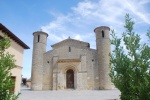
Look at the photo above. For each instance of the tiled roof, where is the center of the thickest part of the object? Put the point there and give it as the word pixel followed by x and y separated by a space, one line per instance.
pixel 12 36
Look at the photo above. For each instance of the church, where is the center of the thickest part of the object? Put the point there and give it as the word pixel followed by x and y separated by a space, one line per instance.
pixel 71 64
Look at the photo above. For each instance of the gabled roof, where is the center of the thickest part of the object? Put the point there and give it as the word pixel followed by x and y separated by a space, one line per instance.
pixel 69 40
pixel 12 36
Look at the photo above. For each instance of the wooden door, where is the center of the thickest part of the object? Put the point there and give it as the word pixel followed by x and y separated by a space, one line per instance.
pixel 70 78
pixel 14 80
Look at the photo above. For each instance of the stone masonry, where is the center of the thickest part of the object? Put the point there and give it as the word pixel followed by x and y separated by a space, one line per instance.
pixel 71 64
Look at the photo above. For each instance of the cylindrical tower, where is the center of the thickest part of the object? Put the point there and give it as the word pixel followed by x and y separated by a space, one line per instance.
pixel 103 50
pixel 39 48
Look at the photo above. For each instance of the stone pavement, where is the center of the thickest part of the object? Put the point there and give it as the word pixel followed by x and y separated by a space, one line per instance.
pixel 27 94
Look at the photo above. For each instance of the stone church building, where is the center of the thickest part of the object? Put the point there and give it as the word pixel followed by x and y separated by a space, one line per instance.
pixel 71 64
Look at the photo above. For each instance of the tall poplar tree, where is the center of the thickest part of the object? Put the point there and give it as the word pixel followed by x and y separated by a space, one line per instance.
pixel 130 64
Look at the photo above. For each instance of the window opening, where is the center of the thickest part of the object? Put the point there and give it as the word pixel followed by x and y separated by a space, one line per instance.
pixel 38 38
pixel 92 60
pixel 103 35
pixel 88 45
pixel 69 49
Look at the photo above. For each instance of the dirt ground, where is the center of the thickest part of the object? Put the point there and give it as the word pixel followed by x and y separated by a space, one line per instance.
pixel 27 94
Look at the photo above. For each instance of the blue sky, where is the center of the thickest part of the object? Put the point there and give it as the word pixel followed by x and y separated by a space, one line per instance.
pixel 74 18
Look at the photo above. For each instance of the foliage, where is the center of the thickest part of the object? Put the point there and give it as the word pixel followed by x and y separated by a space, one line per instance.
pixel 6 64
pixel 148 34
pixel 130 64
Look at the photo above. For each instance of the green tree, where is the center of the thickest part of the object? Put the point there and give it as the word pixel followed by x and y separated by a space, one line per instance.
pixel 130 64
pixel 6 64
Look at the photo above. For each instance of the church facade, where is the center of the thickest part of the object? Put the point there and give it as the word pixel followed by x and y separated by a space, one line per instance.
pixel 71 64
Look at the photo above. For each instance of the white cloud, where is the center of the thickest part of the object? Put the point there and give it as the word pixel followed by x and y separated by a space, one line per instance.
pixel 89 14
pixel 77 37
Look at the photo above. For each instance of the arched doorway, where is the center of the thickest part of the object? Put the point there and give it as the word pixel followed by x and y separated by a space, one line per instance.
pixel 70 78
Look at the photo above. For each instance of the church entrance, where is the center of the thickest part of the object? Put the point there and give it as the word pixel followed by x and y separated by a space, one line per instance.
pixel 70 78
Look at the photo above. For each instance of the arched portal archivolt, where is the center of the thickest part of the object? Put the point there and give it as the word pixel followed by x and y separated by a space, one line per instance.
pixel 67 68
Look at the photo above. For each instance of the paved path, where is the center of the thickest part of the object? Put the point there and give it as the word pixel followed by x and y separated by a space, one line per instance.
pixel 27 94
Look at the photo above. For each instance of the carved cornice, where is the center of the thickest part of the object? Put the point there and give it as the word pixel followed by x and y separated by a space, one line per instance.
pixel 68 60
pixel 18 67
pixel 72 42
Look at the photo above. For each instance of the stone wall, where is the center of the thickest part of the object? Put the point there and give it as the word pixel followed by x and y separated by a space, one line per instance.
pixel 39 48
pixel 16 50
pixel 90 67
pixel 103 50
pixel 86 74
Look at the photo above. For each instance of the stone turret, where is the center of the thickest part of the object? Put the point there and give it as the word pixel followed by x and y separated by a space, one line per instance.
pixel 39 48
pixel 103 50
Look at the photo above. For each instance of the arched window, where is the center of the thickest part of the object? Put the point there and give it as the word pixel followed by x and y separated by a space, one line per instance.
pixel 38 38
pixel 69 49
pixel 103 34
pixel 88 45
